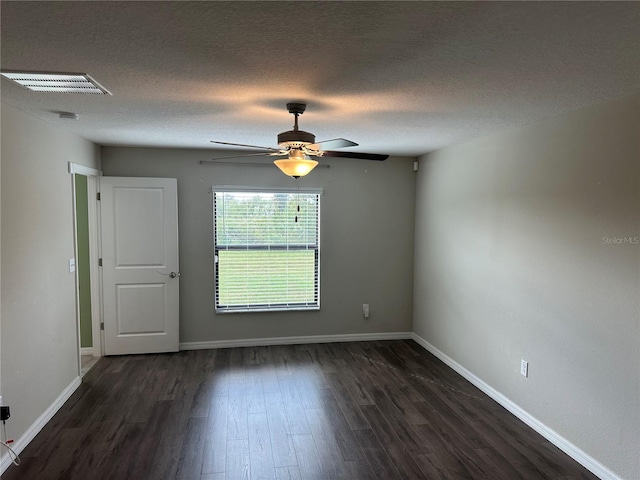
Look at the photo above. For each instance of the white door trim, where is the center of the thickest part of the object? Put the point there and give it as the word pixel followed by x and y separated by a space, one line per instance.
pixel 94 267
pixel 84 170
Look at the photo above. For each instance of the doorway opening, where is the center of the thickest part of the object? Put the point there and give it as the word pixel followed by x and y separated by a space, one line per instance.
pixel 88 300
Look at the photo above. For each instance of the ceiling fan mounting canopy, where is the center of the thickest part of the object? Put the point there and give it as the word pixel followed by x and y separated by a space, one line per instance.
pixel 296 108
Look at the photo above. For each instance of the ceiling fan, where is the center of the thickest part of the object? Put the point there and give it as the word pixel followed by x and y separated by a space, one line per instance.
pixel 298 145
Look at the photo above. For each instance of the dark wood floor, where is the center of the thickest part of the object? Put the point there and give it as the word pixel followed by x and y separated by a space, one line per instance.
pixel 368 410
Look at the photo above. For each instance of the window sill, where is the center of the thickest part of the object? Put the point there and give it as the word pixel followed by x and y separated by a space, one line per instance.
pixel 224 311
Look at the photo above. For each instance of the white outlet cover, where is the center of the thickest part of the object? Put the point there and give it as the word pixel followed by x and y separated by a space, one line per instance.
pixel 524 368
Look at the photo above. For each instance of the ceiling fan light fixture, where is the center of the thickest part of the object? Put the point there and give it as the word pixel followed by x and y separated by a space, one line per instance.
pixel 296 165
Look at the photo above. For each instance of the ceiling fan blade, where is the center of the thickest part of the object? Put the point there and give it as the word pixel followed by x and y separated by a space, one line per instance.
pixel 362 156
pixel 262 154
pixel 334 143
pixel 243 145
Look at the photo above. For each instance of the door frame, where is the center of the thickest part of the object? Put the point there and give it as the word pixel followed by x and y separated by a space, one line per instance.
pixel 92 175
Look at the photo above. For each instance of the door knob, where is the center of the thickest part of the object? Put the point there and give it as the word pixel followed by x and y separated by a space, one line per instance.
pixel 174 274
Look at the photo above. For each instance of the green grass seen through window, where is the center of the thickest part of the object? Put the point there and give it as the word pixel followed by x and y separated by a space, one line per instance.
pixel 266 277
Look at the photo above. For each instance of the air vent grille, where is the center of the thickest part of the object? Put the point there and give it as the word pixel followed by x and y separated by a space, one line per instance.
pixel 56 82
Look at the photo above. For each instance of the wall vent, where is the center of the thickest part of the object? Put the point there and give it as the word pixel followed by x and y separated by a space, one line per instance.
pixel 53 82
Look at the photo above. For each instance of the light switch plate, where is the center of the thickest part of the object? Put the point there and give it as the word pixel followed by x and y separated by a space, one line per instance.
pixel 72 265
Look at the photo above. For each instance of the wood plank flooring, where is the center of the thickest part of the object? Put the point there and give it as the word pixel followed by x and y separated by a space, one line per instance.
pixel 365 410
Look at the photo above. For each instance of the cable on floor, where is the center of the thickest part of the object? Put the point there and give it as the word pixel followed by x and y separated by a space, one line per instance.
pixel 15 458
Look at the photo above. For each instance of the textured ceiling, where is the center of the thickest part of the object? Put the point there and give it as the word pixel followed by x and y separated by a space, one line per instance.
pixel 402 78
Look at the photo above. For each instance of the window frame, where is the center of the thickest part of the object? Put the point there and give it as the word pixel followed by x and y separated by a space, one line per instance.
pixel 267 307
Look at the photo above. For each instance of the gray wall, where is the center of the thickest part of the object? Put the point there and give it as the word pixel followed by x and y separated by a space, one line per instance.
pixel 512 262
pixel 39 354
pixel 367 212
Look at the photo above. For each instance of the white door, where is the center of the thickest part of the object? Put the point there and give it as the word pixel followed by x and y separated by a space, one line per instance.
pixel 140 275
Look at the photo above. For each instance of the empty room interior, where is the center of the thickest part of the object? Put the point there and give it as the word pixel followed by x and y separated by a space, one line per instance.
pixel 320 240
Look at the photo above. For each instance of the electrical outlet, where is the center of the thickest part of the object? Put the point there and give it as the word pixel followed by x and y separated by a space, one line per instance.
pixel 524 368
pixel 365 310
pixel 1 400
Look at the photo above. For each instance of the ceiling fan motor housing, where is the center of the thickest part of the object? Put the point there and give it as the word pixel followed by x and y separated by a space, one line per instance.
pixel 295 138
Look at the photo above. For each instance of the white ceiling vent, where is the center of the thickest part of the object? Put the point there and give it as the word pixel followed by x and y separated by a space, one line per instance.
pixel 56 82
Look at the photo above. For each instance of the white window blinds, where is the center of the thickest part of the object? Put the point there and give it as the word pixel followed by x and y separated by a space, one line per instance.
pixel 267 250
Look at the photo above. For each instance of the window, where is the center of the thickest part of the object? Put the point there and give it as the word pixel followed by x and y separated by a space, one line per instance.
pixel 267 250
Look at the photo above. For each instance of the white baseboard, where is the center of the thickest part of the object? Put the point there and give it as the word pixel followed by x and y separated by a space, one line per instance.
pixel 42 420
pixel 86 350
pixel 554 437
pixel 261 342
